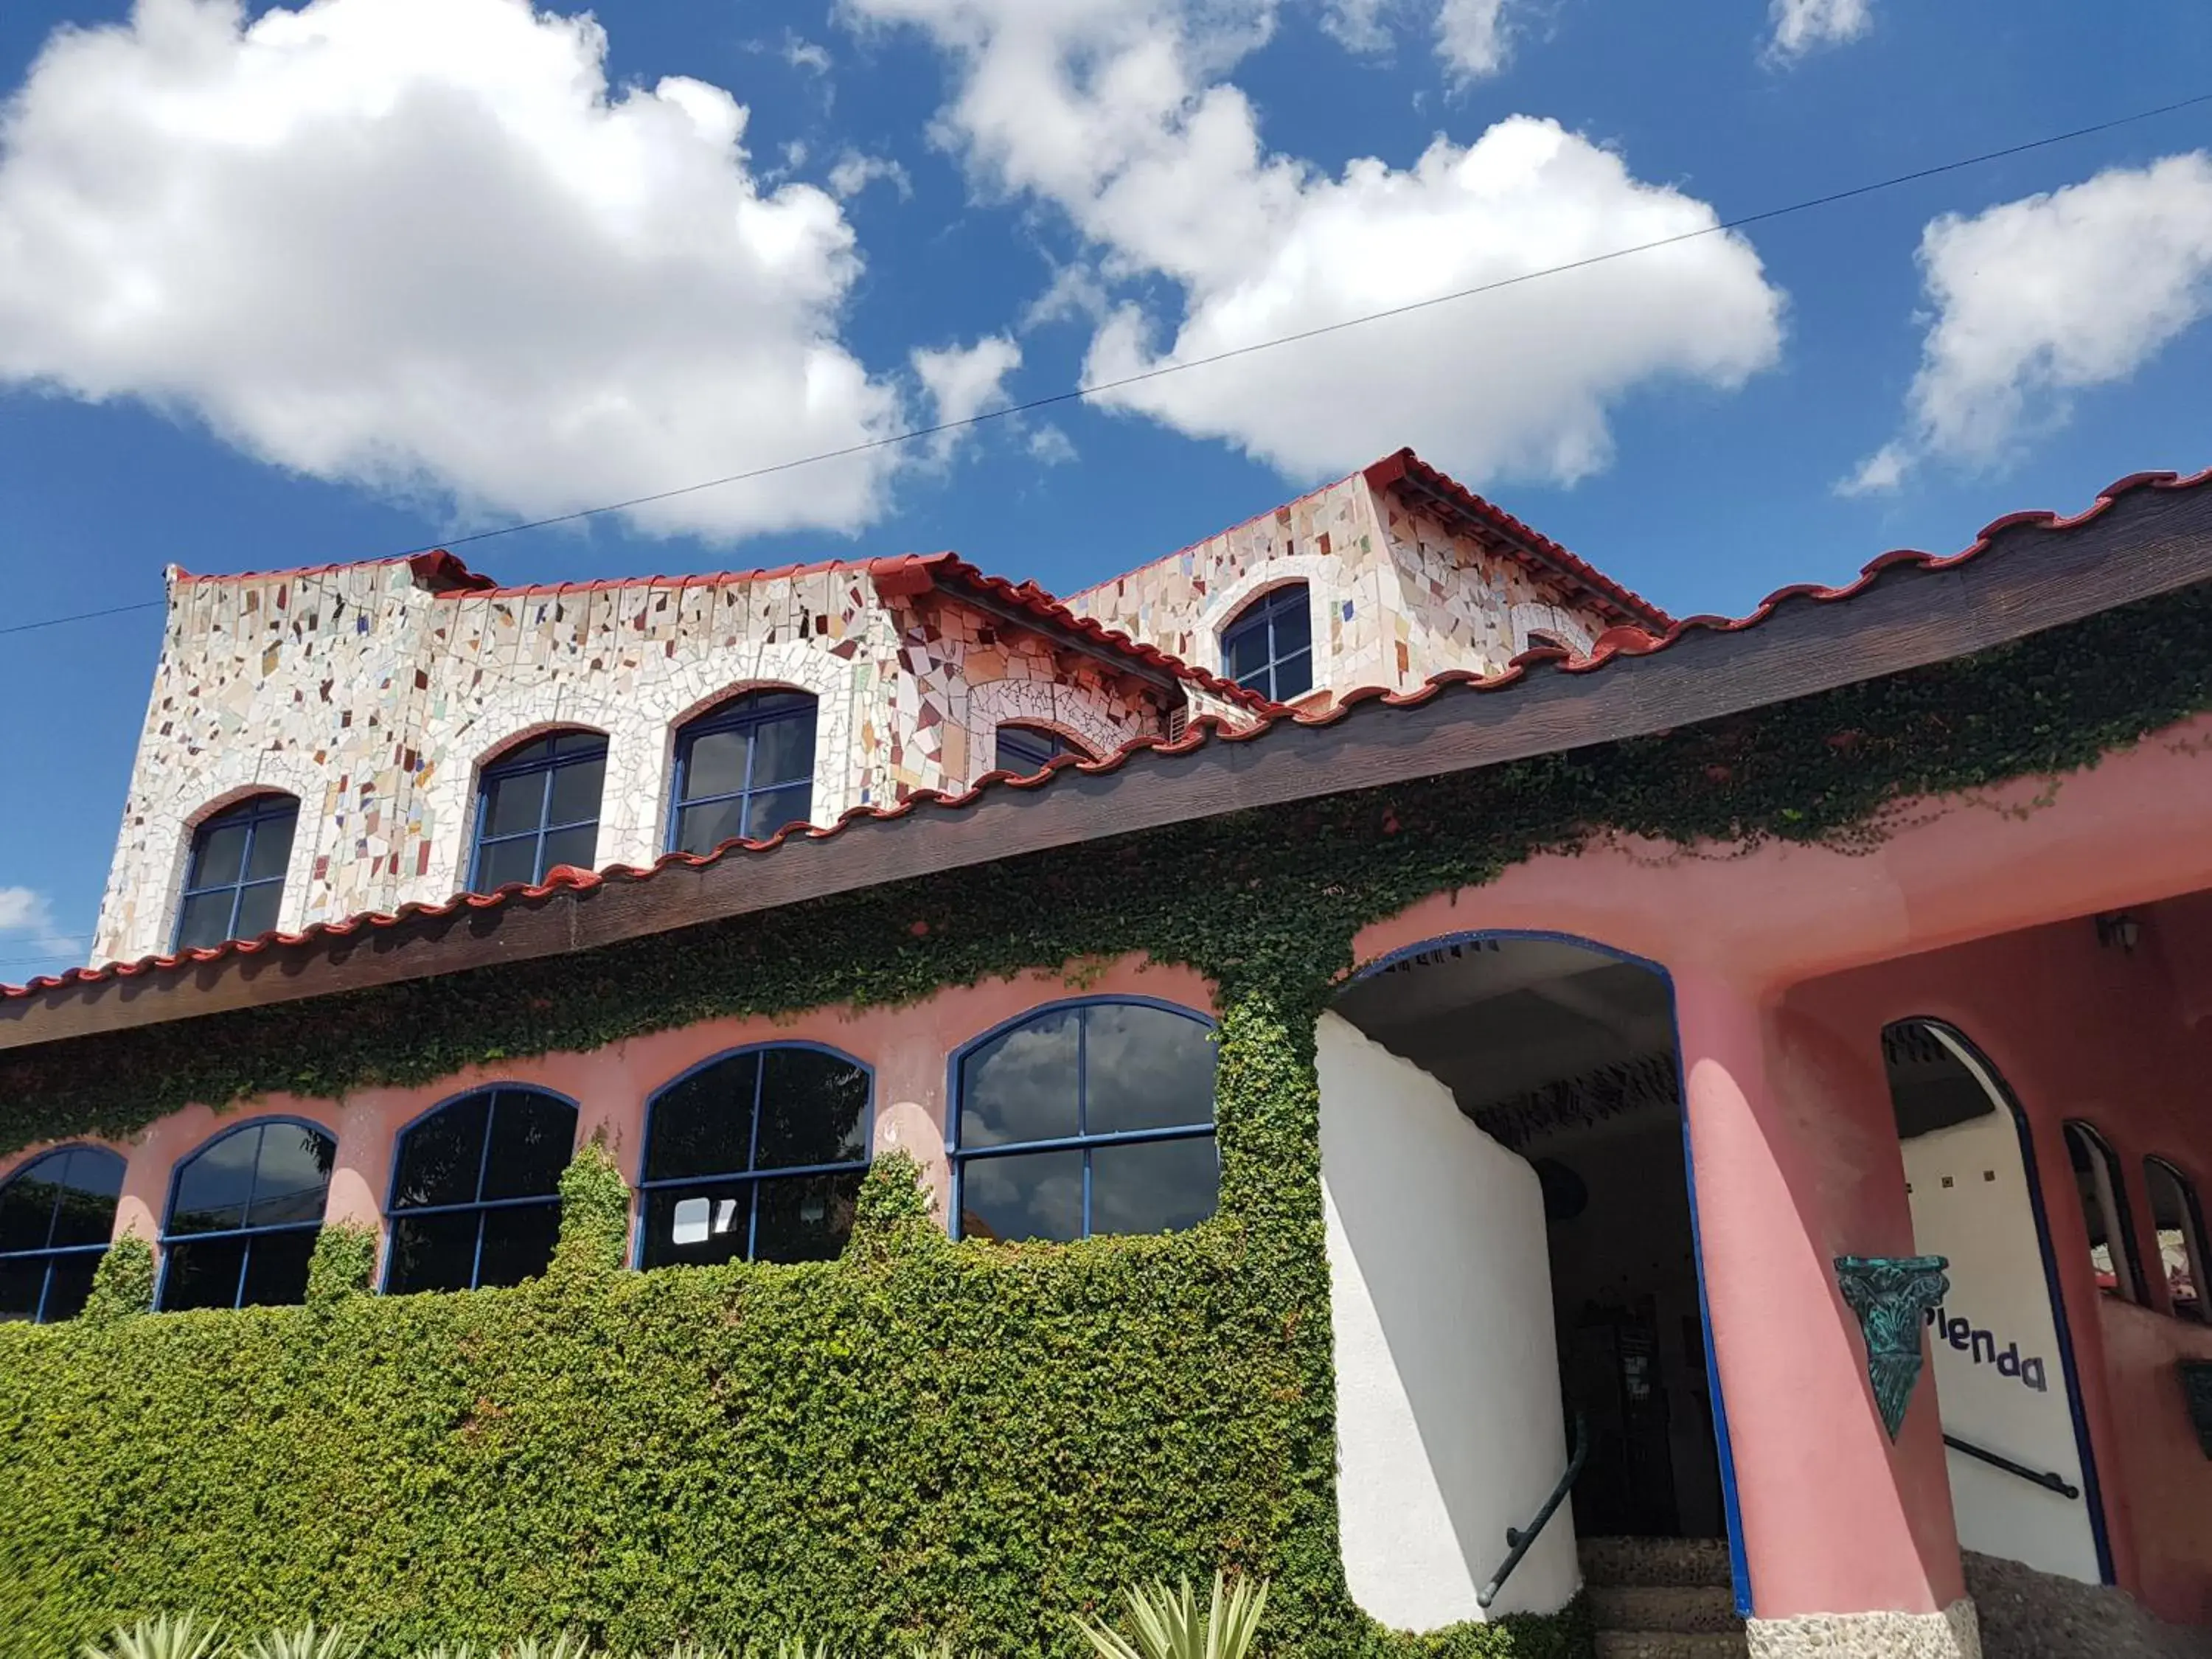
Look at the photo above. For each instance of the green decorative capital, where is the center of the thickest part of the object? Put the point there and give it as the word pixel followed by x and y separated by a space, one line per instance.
pixel 1891 1295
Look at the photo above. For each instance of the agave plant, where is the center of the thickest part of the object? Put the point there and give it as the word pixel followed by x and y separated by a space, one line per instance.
pixel 307 1641
pixel 560 1647
pixel 179 1637
pixel 460 1650
pixel 1169 1626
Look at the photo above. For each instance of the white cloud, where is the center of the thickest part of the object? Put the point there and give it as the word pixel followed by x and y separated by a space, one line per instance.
pixel 804 54
pixel 24 911
pixel 1471 35
pixel 1049 445
pixel 1116 112
pixel 1800 26
pixel 420 245
pixel 854 172
pixel 2034 299
pixel 963 382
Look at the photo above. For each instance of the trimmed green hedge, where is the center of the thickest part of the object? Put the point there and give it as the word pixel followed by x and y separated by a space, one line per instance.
pixel 966 1441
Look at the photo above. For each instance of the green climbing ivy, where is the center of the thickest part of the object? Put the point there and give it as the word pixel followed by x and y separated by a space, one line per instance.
pixel 924 1438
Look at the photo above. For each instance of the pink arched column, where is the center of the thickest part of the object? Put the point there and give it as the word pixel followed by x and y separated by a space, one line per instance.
pixel 1795 1159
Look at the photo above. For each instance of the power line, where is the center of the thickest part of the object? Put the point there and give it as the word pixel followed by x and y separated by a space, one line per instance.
pixel 1094 389
pixel 83 615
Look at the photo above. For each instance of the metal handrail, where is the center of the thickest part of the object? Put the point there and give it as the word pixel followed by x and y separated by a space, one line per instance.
pixel 1518 1540
pixel 2049 1480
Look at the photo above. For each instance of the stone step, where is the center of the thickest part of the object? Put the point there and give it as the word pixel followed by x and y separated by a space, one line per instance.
pixel 1687 1610
pixel 1657 1563
pixel 1671 1644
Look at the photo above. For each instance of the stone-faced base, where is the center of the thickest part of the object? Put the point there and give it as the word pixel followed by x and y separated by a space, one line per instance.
pixel 1950 1634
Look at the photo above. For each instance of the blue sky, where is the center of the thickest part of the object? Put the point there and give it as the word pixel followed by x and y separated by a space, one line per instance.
pixel 285 288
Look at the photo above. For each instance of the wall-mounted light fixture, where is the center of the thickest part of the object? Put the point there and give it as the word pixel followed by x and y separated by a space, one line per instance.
pixel 2118 928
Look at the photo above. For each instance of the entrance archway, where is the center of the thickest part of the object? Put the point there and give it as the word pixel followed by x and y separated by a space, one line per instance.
pixel 2023 1480
pixel 1512 1226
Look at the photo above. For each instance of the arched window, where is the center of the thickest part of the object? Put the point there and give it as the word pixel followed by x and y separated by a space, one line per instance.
pixel 2105 1211
pixel 1542 638
pixel 744 768
pixel 1085 1119
pixel 539 808
pixel 56 1214
pixel 757 1155
pixel 234 884
pixel 1268 647
pixel 244 1211
pixel 2178 1220
pixel 476 1191
pixel 1025 750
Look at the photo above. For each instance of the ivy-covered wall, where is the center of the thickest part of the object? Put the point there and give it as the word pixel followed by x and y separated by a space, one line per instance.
pixel 924 1438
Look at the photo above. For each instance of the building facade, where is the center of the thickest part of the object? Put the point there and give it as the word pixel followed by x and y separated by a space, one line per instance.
pixel 1718 1102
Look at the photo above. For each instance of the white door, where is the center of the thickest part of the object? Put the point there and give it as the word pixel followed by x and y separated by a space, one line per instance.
pixel 2000 1381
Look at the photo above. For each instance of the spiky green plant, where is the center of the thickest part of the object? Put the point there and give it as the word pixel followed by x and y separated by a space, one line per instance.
pixel 1169 1626
pixel 181 1636
pixel 560 1647
pixel 461 1650
pixel 307 1641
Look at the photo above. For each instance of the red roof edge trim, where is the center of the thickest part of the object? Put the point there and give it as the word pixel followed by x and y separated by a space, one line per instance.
pixel 1613 644
pixel 441 573
pixel 1531 544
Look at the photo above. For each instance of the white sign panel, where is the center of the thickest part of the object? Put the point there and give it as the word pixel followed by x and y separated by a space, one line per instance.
pixel 1999 1379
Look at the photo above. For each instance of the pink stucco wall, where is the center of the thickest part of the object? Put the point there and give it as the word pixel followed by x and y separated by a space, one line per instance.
pixel 907 1049
pixel 2078 1029
pixel 1786 963
pixel 1796 1157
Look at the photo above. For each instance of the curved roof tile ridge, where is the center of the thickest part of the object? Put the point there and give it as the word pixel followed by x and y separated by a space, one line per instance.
pixel 1203 729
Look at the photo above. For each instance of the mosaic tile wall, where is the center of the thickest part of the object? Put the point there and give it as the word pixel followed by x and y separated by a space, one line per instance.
pixel 1397 596
pixel 375 701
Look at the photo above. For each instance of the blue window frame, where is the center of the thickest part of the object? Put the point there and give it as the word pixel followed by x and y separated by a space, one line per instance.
pixel 745 769
pixel 1027 750
pixel 1268 646
pixel 2103 1188
pixel 244 1211
pixel 235 884
pixel 757 1156
pixel 538 807
pixel 1084 1119
pixel 476 1191
pixel 56 1214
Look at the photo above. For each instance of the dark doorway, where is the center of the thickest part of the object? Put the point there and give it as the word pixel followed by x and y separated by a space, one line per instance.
pixel 1566 1055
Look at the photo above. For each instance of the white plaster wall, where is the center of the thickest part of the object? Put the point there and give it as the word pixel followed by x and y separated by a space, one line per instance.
pixel 1448 1423
pixel 1983 1222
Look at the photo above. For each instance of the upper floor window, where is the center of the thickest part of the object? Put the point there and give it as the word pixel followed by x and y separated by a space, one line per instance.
pixel 758 1155
pixel 244 1211
pixel 539 808
pixel 234 884
pixel 2105 1211
pixel 476 1192
pixel 1268 647
pixel 2178 1221
pixel 56 1214
pixel 744 768
pixel 1027 750
pixel 1086 1119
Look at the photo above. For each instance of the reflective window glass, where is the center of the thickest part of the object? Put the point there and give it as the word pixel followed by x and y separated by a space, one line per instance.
pixel 2178 1220
pixel 57 1214
pixel 476 1193
pixel 2105 1213
pixel 1025 750
pixel 1268 646
pixel 1087 1119
pixel 244 1212
pixel 234 878
pixel 743 769
pixel 757 1156
pixel 538 808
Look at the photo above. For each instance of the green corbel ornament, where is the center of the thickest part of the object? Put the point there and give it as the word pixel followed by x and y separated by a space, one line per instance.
pixel 1891 1295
